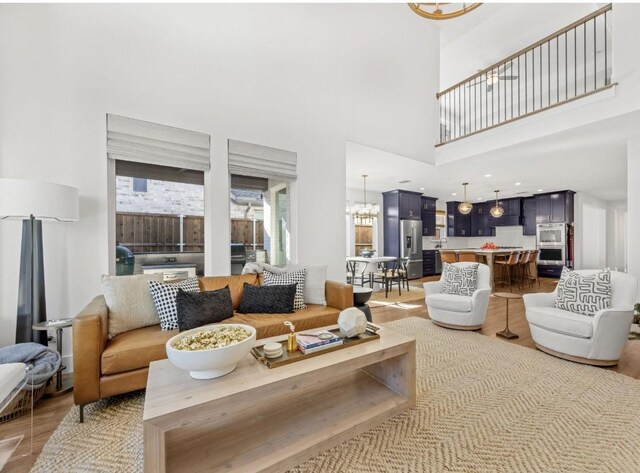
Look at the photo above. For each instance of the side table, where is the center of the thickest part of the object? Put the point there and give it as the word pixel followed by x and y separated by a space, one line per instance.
pixel 66 385
pixel 361 296
pixel 506 333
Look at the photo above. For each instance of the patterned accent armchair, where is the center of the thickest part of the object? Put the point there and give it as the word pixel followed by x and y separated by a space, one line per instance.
pixel 597 340
pixel 459 312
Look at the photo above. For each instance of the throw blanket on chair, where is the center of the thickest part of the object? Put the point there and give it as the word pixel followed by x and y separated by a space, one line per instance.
pixel 42 362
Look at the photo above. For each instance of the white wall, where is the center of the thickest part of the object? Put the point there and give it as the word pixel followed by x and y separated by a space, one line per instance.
pixel 303 78
pixel 633 209
pixel 617 235
pixel 589 236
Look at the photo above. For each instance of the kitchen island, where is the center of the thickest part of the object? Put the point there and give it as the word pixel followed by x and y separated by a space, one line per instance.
pixel 488 256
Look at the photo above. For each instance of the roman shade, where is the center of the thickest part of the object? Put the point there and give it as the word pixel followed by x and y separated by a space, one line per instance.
pixel 247 159
pixel 138 141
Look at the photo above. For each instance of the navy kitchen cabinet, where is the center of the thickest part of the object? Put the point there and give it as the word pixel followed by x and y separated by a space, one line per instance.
pixel 428 215
pixel 529 216
pixel 409 205
pixel 554 207
pixel 457 223
pixel 512 213
pixel 481 220
pixel 428 262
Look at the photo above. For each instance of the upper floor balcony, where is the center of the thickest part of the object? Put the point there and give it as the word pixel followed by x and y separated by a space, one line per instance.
pixel 570 64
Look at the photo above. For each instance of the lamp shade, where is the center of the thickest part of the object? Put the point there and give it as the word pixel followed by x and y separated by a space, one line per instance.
pixel 21 198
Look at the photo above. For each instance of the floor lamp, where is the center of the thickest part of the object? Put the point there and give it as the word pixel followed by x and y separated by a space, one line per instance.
pixel 33 202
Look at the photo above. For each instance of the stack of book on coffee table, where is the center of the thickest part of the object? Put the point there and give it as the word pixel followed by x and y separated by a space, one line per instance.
pixel 317 341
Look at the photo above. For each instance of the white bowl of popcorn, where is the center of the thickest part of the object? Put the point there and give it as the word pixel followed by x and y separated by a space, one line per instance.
pixel 211 351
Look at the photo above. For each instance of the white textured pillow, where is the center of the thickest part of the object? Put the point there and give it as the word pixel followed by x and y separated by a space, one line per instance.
pixel 130 303
pixel 584 294
pixel 293 277
pixel 460 280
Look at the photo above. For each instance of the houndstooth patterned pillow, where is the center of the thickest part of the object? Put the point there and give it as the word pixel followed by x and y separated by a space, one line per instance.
pixel 293 277
pixel 164 298
pixel 460 280
pixel 584 294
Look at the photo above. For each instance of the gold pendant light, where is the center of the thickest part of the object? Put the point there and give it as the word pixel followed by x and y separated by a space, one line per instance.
pixel 465 206
pixel 496 211
pixel 434 11
pixel 364 214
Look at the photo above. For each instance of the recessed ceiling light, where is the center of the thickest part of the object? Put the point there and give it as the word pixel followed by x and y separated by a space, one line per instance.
pixel 540 190
pixel 422 188
pixel 487 175
pixel 479 198
pixel 518 183
pixel 453 193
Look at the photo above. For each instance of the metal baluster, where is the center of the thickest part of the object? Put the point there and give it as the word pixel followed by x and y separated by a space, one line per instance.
pixel 575 61
pixel 526 86
pixel 584 29
pixel 533 80
pixel 481 103
pixel 498 76
pixel 541 91
pixel 606 73
pixel 518 85
pixel 566 70
pixel 511 69
pixel 557 69
pixel 595 58
pixel 549 72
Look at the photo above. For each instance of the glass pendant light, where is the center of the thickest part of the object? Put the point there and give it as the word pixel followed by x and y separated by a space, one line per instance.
pixel 465 206
pixel 496 211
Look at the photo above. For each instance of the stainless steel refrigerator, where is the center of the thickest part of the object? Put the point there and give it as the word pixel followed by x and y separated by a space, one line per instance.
pixel 411 246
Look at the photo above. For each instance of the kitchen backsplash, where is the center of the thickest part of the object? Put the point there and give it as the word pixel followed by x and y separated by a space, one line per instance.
pixel 505 236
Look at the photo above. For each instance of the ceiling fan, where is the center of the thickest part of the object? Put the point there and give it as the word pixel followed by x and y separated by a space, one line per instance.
pixel 493 76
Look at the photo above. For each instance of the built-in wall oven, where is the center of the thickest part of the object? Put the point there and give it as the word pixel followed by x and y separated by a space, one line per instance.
pixel 552 243
pixel 552 255
pixel 552 234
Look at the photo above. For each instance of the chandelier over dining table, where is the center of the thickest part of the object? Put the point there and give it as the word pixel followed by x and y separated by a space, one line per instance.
pixel 364 213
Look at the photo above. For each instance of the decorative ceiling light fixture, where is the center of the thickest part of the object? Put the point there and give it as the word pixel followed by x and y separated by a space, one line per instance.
pixel 442 11
pixel 363 214
pixel 465 206
pixel 496 211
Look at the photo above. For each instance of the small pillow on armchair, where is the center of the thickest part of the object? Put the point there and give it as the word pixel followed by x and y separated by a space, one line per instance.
pixel 459 280
pixel 584 294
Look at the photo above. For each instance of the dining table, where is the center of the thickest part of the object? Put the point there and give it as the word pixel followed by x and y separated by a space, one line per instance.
pixel 371 262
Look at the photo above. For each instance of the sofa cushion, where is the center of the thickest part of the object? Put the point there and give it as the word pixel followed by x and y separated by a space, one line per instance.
pixel 267 299
pixel 270 325
pixel 196 309
pixel 164 297
pixel 561 321
pixel 130 303
pixel 235 283
pixel 294 277
pixel 135 349
pixel 450 302
pixel 584 294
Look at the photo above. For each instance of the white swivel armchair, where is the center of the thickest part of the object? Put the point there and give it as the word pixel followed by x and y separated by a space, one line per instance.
pixel 459 312
pixel 597 340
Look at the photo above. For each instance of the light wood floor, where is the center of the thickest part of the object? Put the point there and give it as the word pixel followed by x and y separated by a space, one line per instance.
pixel 49 412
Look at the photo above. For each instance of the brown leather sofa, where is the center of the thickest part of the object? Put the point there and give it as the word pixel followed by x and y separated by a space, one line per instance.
pixel 104 368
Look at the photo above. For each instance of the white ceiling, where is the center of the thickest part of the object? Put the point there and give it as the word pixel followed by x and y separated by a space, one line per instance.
pixel 591 159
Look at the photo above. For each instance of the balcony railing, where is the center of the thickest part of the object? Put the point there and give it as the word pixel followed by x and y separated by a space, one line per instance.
pixel 572 63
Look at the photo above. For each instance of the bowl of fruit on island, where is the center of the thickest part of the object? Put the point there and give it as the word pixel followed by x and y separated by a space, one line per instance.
pixel 211 351
pixel 489 246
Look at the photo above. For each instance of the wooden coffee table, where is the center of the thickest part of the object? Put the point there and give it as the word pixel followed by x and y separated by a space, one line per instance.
pixel 259 419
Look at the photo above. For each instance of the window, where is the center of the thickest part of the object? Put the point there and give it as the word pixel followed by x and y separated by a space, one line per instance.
pixel 261 181
pixel 260 221
pixel 164 225
pixel 139 184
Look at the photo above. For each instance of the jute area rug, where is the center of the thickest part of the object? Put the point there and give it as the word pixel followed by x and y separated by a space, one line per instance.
pixel 484 405
pixel 414 295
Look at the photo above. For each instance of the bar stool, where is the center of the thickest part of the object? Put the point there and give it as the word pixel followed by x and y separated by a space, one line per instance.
pixel 467 257
pixel 448 257
pixel 523 266
pixel 508 265
pixel 533 262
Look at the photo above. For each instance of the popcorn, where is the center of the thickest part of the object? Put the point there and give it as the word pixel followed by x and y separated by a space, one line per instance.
pixel 212 338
